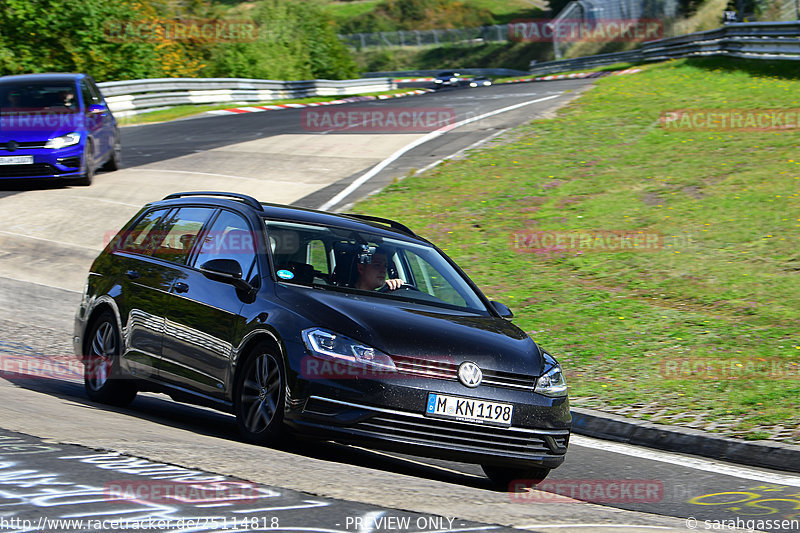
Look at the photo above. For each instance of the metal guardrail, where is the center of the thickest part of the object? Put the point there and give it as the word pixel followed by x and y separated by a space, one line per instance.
pixel 752 40
pixel 562 65
pixel 130 97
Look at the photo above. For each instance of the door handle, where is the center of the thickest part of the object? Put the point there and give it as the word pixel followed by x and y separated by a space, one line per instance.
pixel 181 287
pixel 132 274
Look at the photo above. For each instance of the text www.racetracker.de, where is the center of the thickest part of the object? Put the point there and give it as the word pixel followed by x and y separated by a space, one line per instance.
pixel 212 523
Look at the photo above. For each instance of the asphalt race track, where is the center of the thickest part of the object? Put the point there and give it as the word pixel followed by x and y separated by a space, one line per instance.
pixel 62 457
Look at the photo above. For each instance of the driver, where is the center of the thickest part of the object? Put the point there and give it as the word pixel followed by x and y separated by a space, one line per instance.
pixel 372 275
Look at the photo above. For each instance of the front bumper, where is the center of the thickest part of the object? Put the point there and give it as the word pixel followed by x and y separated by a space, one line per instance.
pixel 418 434
pixel 389 413
pixel 61 163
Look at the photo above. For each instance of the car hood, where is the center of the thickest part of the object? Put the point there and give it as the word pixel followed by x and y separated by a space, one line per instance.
pixel 413 330
pixel 31 127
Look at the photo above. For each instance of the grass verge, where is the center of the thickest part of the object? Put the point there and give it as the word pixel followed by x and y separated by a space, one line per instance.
pixel 701 329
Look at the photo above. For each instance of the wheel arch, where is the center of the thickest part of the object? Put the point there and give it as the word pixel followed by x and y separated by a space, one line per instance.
pixel 246 349
pixel 103 304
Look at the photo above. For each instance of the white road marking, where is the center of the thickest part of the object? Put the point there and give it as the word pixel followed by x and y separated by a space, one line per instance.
pixel 369 521
pixel 706 465
pixel 425 138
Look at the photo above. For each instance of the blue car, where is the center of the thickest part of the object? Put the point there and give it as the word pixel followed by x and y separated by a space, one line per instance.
pixel 55 126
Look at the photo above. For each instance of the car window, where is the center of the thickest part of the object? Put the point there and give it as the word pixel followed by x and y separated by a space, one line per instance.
pixel 88 97
pixel 318 256
pixel 97 96
pixel 141 238
pixel 179 233
pixel 229 237
pixel 428 279
pixel 38 97
pixel 330 258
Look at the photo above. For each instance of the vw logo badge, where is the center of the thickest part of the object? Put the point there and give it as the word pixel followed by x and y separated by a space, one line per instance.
pixel 12 146
pixel 469 374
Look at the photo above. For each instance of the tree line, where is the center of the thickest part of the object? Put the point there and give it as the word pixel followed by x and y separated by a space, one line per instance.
pixel 133 39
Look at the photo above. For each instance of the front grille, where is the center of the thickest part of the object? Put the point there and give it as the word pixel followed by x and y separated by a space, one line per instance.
pixel 426 367
pixel 449 371
pixel 23 171
pixel 468 437
pixel 24 144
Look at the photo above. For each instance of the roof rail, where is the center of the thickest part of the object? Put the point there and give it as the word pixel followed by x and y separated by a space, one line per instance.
pixel 249 200
pixel 392 223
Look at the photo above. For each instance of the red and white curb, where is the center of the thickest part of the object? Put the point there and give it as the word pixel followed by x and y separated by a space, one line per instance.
pixel 412 80
pixel 275 107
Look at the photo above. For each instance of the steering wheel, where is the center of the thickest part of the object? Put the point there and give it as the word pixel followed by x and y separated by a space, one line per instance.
pixel 406 286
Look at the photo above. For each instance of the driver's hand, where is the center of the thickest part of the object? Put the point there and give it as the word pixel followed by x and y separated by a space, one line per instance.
pixel 394 284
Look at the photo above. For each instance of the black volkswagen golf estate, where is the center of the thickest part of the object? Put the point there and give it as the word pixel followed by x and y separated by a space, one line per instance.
pixel 276 314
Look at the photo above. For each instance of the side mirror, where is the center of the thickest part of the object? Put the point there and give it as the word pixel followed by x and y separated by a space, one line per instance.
pixel 502 310
pixel 226 270
pixel 97 109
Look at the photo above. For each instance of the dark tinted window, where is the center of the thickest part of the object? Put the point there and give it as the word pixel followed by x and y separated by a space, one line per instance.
pixel 143 237
pixel 229 237
pixel 180 232
pixel 88 97
pixel 97 96
pixel 40 97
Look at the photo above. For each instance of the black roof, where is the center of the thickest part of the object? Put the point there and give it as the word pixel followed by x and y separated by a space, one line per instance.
pixel 47 77
pixel 386 227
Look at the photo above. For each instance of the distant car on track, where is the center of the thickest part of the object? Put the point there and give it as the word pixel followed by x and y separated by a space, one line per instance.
pixel 261 310
pixel 55 126
pixel 448 79
pixel 480 81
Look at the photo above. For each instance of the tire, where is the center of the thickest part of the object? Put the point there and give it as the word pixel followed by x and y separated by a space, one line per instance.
pixel 102 378
pixel 503 476
pixel 115 161
pixel 88 159
pixel 259 396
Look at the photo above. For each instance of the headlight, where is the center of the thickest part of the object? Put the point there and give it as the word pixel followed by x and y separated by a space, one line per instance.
pixel 329 345
pixel 552 382
pixel 69 139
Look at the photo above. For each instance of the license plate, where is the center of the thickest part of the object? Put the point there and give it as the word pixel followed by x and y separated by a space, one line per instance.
pixel 469 409
pixel 16 160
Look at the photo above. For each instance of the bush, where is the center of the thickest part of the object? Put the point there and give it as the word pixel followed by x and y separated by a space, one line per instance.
pixel 296 41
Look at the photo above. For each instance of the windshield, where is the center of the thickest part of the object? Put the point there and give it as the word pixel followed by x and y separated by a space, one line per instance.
pixel 340 259
pixel 38 97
